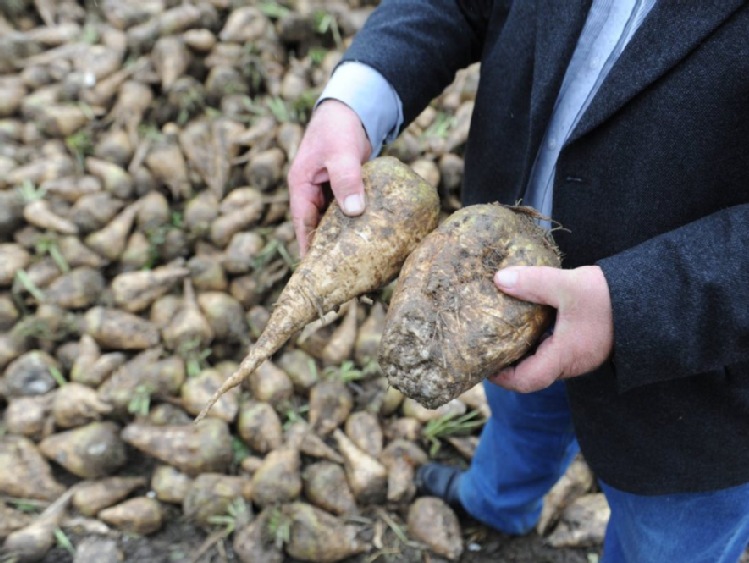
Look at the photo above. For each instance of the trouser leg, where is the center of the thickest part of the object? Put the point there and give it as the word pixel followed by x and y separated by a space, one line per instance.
pixel 708 527
pixel 527 444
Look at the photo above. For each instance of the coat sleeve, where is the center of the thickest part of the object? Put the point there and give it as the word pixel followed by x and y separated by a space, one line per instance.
pixel 419 45
pixel 681 300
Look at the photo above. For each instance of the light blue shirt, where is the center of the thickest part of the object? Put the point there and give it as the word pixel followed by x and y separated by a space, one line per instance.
pixel 608 28
pixel 371 97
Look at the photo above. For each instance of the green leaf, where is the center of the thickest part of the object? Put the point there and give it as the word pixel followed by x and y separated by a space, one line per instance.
pixel 279 110
pixel 26 282
pixel 25 505
pixel 63 541
pixel 57 376
pixel 140 403
pixel 30 192
pixel 239 449
pixel 317 55
pixel 450 425
pixel 273 10
pixel 58 258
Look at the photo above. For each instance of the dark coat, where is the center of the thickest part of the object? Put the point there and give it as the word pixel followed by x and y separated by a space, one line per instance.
pixel 653 186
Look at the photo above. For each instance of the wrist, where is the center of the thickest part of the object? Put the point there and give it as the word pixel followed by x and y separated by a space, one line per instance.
pixel 344 118
pixel 371 97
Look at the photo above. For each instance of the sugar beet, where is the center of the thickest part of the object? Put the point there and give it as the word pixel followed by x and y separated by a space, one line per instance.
pixel 448 325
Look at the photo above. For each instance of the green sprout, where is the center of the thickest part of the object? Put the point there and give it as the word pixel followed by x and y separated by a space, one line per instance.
pixel 196 359
pixel 312 365
pixel 346 372
pixel 325 22
pixel 296 111
pixel 149 131
pixel 156 239
pixel 47 245
pixel 189 103
pixel 212 113
pixel 386 293
pixel 450 425
pixel 239 449
pixel 279 109
pixel 89 35
pixel 440 127
pixel 278 527
pixel 272 249
pixel 273 10
pixel 371 368
pixel 253 67
pixel 398 529
pixel 317 55
pixel 177 554
pixel 234 86
pixel 236 515
pixel 250 106
pixel 30 506
pixel 63 541
pixel 30 192
pixel 292 414
pixel 177 219
pixel 33 327
pixel 80 144
pixel 45 330
pixel 22 280
pixel 302 106
pixel 58 376
pixel 87 110
pixel 140 402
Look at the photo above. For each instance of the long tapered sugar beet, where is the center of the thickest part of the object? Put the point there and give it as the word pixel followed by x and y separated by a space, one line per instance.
pixel 348 256
pixel 448 326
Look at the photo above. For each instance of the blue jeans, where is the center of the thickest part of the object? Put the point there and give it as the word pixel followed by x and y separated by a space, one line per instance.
pixel 528 443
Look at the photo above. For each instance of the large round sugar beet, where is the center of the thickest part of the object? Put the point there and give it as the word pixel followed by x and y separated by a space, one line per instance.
pixel 448 326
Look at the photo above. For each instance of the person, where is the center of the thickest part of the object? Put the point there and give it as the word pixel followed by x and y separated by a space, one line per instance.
pixel 626 121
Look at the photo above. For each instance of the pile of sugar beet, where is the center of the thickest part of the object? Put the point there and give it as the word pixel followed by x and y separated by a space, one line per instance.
pixel 144 239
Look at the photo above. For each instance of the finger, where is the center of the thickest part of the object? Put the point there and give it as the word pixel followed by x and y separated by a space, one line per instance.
pixel 537 284
pixel 346 182
pixel 535 372
pixel 321 177
pixel 305 204
pixel 303 228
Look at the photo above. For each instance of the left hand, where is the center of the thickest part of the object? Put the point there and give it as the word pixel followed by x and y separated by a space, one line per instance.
pixel 583 336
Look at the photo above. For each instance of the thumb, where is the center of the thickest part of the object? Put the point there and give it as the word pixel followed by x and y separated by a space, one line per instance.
pixel 537 284
pixel 346 182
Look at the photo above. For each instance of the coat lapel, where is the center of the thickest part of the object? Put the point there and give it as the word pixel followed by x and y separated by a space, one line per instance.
pixel 671 30
pixel 558 26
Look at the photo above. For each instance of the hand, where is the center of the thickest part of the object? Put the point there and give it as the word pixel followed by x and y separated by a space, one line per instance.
pixel 583 336
pixel 333 149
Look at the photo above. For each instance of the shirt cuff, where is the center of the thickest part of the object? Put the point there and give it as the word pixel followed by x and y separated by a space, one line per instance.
pixel 371 97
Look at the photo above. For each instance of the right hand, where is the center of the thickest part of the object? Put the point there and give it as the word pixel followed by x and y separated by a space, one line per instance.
pixel 333 149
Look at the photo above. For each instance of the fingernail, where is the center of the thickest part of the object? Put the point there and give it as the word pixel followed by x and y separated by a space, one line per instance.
pixel 353 204
pixel 506 278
